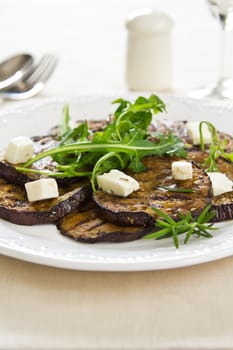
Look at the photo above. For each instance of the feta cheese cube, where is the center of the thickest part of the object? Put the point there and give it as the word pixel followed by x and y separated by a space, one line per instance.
pixel 220 183
pixel 118 183
pixel 194 133
pixel 19 150
pixel 182 170
pixel 41 189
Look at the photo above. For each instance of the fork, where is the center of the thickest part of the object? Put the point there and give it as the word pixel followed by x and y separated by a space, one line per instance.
pixel 33 83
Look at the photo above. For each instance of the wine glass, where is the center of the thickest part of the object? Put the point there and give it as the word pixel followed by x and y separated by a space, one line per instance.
pixel 223 11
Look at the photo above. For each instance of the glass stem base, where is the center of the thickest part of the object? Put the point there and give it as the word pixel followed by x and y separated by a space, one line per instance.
pixel 223 89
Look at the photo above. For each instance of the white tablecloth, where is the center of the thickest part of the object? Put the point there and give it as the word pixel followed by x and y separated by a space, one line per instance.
pixel 48 308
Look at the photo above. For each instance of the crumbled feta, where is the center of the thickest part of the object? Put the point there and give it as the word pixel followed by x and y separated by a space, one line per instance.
pixel 194 133
pixel 182 170
pixel 118 183
pixel 41 189
pixel 220 183
pixel 19 150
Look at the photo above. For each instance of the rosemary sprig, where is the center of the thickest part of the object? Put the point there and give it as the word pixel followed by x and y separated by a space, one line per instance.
pixel 176 190
pixel 216 148
pixel 187 224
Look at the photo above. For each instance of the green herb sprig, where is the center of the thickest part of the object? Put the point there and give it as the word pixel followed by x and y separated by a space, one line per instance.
pixel 176 189
pixel 187 224
pixel 122 144
pixel 216 148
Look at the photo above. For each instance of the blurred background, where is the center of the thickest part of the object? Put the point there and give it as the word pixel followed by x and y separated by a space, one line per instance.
pixel 90 34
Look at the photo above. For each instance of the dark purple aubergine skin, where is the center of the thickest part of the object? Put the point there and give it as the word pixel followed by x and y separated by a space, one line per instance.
pixel 223 211
pixel 9 172
pixel 14 206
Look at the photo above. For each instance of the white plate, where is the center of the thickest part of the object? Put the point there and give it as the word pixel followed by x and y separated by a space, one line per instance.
pixel 45 245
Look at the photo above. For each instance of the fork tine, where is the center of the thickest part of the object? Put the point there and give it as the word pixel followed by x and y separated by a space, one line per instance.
pixel 49 70
pixel 35 82
pixel 41 67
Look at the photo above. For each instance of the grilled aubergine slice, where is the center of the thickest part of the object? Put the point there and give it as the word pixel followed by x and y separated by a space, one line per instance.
pixel 179 128
pixel 41 144
pixel 85 225
pixel 15 207
pixel 222 204
pixel 136 209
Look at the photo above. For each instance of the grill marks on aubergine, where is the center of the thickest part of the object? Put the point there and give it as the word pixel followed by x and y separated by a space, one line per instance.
pixel 86 225
pixel 15 207
pixel 136 209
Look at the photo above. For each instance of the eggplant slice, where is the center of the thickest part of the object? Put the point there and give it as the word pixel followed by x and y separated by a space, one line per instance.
pixel 41 143
pixel 136 209
pixel 179 128
pixel 85 225
pixel 14 206
pixel 222 204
